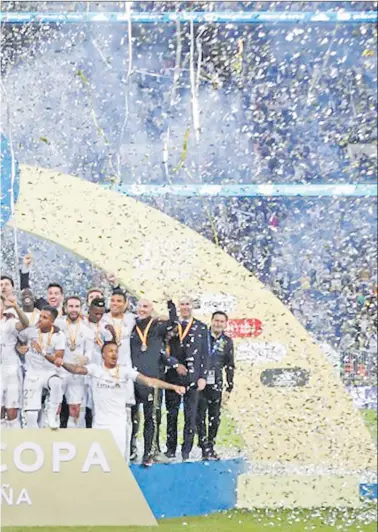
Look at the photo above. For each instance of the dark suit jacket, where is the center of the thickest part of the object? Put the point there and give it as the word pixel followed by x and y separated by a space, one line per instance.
pixel 193 354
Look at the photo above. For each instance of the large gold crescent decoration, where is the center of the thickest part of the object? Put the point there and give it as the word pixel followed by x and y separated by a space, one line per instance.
pixel 308 424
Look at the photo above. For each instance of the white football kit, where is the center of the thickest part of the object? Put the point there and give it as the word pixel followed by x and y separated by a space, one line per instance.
pixel 123 328
pixel 38 371
pixel 109 389
pixel 10 374
pixel 101 335
pixel 79 340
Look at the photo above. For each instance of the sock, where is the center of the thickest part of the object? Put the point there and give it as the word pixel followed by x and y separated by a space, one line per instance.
pixel 13 424
pixel 73 423
pixel 56 394
pixel 32 419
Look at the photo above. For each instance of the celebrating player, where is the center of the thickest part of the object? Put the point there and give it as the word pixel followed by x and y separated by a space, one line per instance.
pixel 10 364
pixel 78 350
pixel 44 339
pixel 109 383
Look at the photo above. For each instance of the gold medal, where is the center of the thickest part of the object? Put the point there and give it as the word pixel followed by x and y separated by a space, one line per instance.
pixel 40 339
pixel 183 334
pixel 143 335
pixel 72 334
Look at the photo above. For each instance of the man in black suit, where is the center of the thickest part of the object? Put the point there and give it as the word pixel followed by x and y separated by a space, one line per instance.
pixel 148 356
pixel 221 357
pixel 189 347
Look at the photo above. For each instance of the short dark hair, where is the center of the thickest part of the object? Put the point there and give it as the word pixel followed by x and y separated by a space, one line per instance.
pixel 105 344
pixel 220 313
pixel 94 289
pixel 119 292
pixel 56 285
pixel 73 297
pixel 8 278
pixel 98 302
pixel 54 313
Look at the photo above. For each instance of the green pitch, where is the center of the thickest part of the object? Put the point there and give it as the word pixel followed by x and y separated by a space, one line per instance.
pixel 363 520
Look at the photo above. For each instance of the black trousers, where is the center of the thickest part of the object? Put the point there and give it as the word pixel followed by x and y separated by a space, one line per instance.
pixel 64 414
pixel 209 410
pixel 172 402
pixel 152 419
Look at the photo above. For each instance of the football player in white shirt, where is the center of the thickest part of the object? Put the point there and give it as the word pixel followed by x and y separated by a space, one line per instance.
pixel 44 339
pixel 78 350
pixel 109 386
pixel 120 323
pixel 96 311
pixel 6 286
pixel 10 374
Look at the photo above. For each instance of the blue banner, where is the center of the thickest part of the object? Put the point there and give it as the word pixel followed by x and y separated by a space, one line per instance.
pixel 203 17
pixel 267 190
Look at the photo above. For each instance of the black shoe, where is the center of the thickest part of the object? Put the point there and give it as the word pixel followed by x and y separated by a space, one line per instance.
pixel 147 461
pixel 185 457
pixel 212 455
pixel 170 454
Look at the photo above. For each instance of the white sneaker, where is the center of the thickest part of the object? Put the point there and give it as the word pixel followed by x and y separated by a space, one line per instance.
pixel 53 420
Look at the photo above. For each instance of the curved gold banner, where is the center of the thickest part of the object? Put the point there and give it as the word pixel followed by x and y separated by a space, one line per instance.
pixel 288 403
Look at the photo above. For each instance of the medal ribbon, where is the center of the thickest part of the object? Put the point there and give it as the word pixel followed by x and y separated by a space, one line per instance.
pixel 99 342
pixel 40 339
pixel 118 330
pixel 73 336
pixel 143 335
pixel 32 319
pixel 183 335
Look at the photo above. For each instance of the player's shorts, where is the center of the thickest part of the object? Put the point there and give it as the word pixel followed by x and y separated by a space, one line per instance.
pixel 121 433
pixel 34 384
pixel 74 389
pixel 10 386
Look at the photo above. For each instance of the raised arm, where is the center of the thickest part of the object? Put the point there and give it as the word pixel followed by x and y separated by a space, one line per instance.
pixel 24 322
pixel 167 325
pixel 25 272
pixel 157 383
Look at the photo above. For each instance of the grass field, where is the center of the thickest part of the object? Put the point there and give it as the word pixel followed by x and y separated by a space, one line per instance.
pixel 256 521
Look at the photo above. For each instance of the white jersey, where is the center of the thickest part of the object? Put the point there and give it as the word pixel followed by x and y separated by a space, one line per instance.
pixel 50 343
pixel 79 339
pixel 109 388
pixel 123 328
pixel 101 335
pixel 33 317
pixel 8 339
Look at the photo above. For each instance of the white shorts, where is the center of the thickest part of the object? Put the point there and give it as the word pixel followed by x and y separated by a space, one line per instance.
pixel 34 384
pixel 74 389
pixel 121 433
pixel 10 386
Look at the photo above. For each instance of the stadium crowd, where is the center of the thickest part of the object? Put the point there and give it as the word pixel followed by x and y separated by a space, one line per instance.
pixel 66 364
